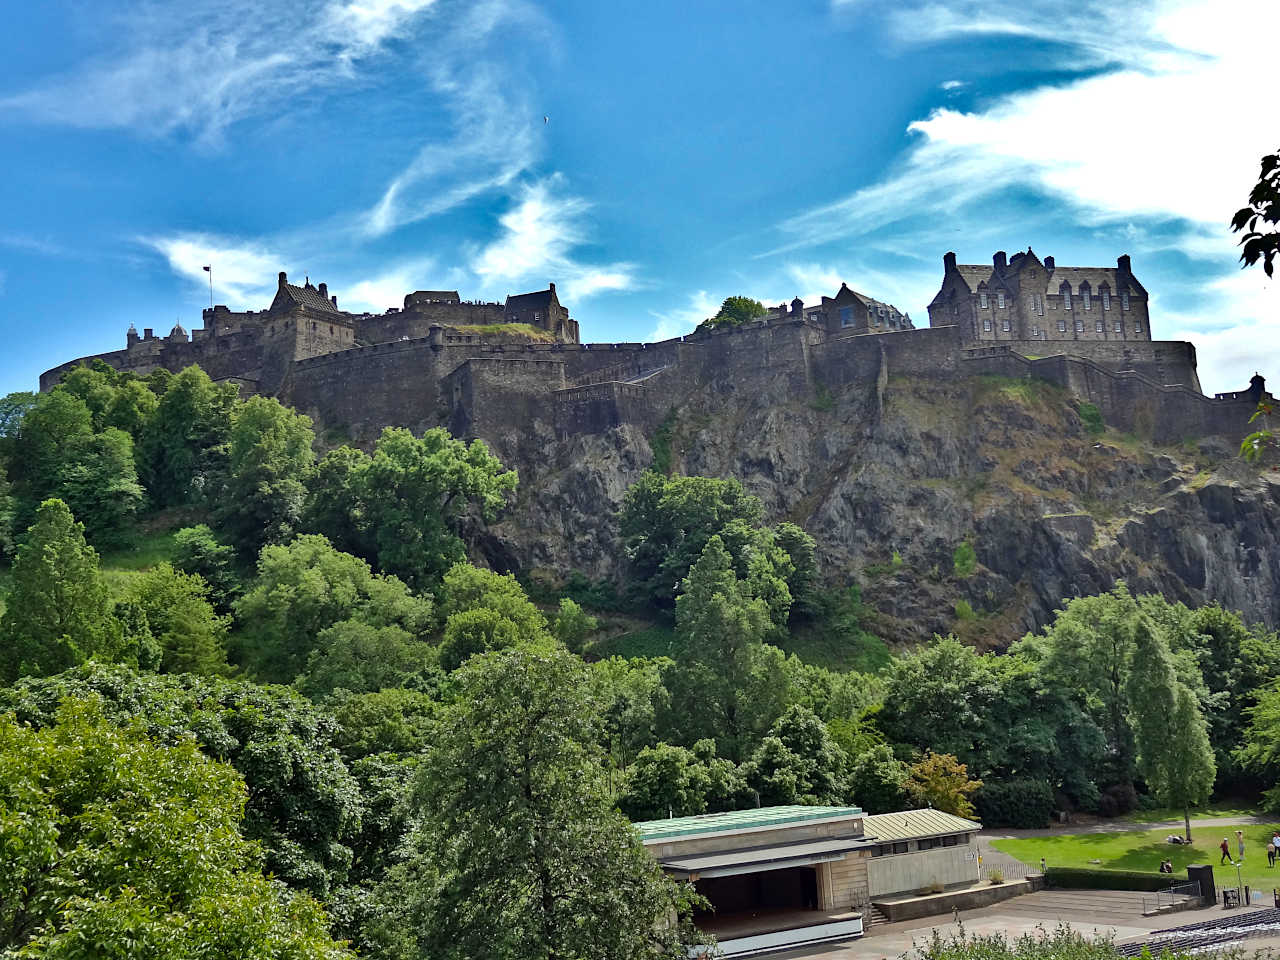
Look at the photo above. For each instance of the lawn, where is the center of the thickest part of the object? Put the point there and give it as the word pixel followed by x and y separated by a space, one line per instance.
pixel 1227 808
pixel 1142 851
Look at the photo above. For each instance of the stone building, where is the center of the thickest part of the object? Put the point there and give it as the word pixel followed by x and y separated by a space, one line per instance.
pixel 847 313
pixel 1024 298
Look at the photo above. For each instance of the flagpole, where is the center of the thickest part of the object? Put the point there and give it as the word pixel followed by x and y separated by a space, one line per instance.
pixel 209 270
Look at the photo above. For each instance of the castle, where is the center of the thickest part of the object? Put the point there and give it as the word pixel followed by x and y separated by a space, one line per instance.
pixel 500 370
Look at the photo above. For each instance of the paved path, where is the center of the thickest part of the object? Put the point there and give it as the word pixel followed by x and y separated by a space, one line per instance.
pixel 1111 913
pixel 1125 826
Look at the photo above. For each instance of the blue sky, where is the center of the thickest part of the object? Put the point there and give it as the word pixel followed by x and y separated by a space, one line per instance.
pixel 692 151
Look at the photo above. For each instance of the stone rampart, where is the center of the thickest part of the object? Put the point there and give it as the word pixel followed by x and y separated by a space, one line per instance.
pixel 597 407
pixel 1164 361
pixel 418 321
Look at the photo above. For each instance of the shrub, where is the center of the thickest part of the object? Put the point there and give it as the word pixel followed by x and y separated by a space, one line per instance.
pixel 997 877
pixel 1117 800
pixel 1091 417
pixel 1023 803
pixel 1080 878
pixel 964 560
pixel 660 444
pixel 964 611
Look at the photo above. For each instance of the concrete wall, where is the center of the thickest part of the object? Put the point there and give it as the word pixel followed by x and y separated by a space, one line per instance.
pixel 918 869
pixel 843 883
pixel 784 833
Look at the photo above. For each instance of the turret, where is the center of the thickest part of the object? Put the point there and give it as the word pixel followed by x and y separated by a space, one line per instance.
pixel 132 336
pixel 1257 388
pixel 797 307
pixel 999 261
pixel 178 334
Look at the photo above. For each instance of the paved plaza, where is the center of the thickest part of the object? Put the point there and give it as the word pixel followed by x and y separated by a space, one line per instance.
pixel 1102 912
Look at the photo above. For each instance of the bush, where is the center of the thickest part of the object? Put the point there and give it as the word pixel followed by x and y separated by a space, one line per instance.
pixel 1117 800
pixel 964 610
pixel 1025 804
pixel 997 877
pixel 1079 878
pixel 964 560
pixel 1091 417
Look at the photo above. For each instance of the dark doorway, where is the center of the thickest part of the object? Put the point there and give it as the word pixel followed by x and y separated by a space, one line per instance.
pixel 795 888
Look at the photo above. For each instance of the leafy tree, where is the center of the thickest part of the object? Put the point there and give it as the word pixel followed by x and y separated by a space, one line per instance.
pixel 58 612
pixel 1174 755
pixel 803 582
pixel 1264 207
pixel 798 762
pixel 131 408
pixel 118 846
pixel 941 781
pixel 52 427
pixel 573 625
pixel 184 447
pixel 335 500
pixel 95 385
pixel 940 698
pixel 734 312
pixel 415 491
pixel 13 410
pixel 520 852
pixel 175 611
pixel 386 721
pixel 720 629
pixel 307 586
pixel 878 781
pixel 99 482
pixel 198 551
pixel 361 658
pixel 484 610
pixel 633 697
pixel 304 807
pixel 270 456
pixel 667 781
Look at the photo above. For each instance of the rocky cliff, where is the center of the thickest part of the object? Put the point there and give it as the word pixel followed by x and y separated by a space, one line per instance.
pixel 890 478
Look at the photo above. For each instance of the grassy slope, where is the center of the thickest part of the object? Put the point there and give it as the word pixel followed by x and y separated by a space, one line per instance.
pixel 525 330
pixel 1143 851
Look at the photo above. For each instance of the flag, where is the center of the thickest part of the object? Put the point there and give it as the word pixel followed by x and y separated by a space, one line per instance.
pixel 208 268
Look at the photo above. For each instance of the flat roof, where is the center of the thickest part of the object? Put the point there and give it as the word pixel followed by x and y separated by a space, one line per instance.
pixel 732 821
pixel 761 858
pixel 916 825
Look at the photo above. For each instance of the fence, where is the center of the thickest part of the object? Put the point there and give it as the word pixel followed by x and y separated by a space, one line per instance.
pixel 1009 871
pixel 1180 894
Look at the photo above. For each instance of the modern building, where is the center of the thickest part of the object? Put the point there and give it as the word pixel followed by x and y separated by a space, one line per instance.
pixel 784 877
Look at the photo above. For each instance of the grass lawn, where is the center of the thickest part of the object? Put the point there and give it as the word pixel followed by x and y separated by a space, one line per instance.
pixel 120 567
pixel 1226 808
pixel 1142 851
pixel 648 642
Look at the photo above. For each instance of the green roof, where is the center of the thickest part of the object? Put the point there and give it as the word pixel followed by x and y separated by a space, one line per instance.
pixel 738 820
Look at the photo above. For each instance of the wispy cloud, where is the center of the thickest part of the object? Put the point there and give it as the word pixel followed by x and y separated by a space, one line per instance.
pixel 243 273
pixel 539 239
pixel 200 66
pixel 1164 132
pixel 682 320
pixel 386 289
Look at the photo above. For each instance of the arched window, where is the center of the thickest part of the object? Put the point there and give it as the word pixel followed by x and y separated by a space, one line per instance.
pixel 1086 295
pixel 1065 290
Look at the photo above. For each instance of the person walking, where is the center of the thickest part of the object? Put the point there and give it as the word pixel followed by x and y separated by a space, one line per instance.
pixel 1240 843
pixel 1225 847
pixel 1271 852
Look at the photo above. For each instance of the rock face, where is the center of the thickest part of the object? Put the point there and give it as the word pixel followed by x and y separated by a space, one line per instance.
pixel 891 479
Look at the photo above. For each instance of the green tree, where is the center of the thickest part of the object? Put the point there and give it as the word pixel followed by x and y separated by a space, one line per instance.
pixel 270 456
pixel 52 427
pixel 1174 755
pixel 335 501
pixel 176 612
pixel 878 780
pixel 520 851
pixel 304 807
pixel 573 625
pixel 415 491
pixel 941 781
pixel 307 586
pixel 58 612
pixel 1261 218
pixel 633 697
pixel 386 721
pixel 720 628
pixel 483 611
pixel 131 408
pixel 197 551
pixel 360 658
pixel 798 762
pixel 184 447
pixel 118 846
pixel 667 781
pixel 734 312
pixel 99 482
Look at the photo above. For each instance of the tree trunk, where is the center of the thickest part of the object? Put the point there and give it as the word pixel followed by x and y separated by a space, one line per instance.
pixel 1186 813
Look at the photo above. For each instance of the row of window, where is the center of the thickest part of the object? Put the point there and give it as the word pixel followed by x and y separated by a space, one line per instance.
pixel 1098 326
pixel 1037 301
pixel 888 849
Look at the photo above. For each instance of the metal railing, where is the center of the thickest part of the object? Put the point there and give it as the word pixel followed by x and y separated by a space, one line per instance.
pixel 1177 895
pixel 1009 871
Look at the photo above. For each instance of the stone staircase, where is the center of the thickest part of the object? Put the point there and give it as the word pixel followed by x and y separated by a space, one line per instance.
pixel 871 917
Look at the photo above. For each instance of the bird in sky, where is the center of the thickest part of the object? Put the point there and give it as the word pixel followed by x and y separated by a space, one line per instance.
pixel 545 120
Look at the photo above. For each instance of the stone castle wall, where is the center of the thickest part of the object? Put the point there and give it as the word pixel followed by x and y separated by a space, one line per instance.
pixel 418 321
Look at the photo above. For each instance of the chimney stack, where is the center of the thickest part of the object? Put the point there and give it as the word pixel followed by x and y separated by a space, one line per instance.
pixel 284 278
pixel 1122 264
pixel 324 290
pixel 948 261
pixel 334 298
pixel 999 261
pixel 553 288
pixel 1048 263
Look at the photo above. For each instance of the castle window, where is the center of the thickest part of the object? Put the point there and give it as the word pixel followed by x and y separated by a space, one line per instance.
pixel 1137 326
pixel 1066 298
pixel 1097 326
pixel 1087 298
pixel 1106 299
pixel 331 329
pixel 846 316
pixel 986 324
pixel 1079 325
pixel 1000 299
pixel 1124 301
pixel 1117 326
pixel 982 300
pixel 1062 325
pixel 1005 325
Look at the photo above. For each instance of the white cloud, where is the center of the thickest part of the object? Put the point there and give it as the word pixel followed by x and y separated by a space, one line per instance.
pixel 1168 134
pixel 386 289
pixel 242 272
pixel 537 243
pixel 200 66
pixel 950 85
pixel 683 320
